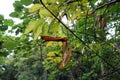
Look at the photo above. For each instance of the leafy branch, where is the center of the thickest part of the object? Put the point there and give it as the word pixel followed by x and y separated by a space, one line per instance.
pixel 62 22
pixel 76 35
pixel 106 4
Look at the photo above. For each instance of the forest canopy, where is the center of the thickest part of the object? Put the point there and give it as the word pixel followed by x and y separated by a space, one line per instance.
pixel 61 40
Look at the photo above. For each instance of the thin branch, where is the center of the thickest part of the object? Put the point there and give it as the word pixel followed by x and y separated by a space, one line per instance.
pixel 106 4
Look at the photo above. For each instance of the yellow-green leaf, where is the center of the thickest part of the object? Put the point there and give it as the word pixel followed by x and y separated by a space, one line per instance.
pixel 30 27
pixel 50 54
pixel 35 8
pixel 45 29
pixel 84 2
pixel 49 44
pixel 57 59
pixel 44 13
pixel 37 32
pixel 54 27
pixel 38 23
pixel 33 25
pixel 54 8
pixel 77 14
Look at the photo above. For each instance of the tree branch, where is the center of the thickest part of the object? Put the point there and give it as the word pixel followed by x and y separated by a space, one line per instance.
pixel 106 4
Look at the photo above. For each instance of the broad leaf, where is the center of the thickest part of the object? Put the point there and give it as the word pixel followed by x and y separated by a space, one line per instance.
pixel 44 13
pixel 10 44
pixel 8 22
pixel 35 8
pixel 26 2
pixel 31 26
pixel 37 32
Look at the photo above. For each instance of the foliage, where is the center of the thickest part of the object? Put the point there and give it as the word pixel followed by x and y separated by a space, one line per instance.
pixel 81 25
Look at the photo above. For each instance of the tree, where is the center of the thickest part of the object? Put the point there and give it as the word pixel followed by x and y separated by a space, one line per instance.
pixel 61 40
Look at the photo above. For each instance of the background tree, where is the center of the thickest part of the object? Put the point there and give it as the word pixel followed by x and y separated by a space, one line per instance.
pixel 74 34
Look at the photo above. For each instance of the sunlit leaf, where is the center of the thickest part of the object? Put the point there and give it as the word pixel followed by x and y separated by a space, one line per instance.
pixel 37 32
pixel 30 27
pixel 51 1
pixel 35 8
pixel 57 59
pixel 77 14
pixel 50 54
pixel 49 44
pixel 45 29
pixel 54 28
pixel 33 25
pixel 84 2
pixel 59 43
pixel 44 13
pixel 55 9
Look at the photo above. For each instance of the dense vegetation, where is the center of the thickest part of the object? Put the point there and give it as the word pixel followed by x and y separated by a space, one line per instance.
pixel 61 40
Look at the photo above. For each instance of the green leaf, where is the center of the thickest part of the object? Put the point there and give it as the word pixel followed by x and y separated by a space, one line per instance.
pixel 8 22
pixel 44 13
pixel 37 32
pixel 1 17
pixel 18 6
pixel 26 2
pixel 54 27
pixel 55 9
pixel 35 8
pixel 31 26
pixel 39 22
pixel 45 29
pixel 10 44
pixel 36 27
pixel 16 14
pixel 51 1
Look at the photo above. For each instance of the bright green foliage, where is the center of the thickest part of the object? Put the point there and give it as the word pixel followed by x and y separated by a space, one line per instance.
pixel 8 22
pixel 34 8
pixel 36 27
pixel 95 49
pixel 37 32
pixel 44 13
pixel 10 44
pixel 26 2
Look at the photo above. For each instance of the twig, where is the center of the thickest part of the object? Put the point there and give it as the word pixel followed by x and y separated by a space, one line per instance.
pixel 106 4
